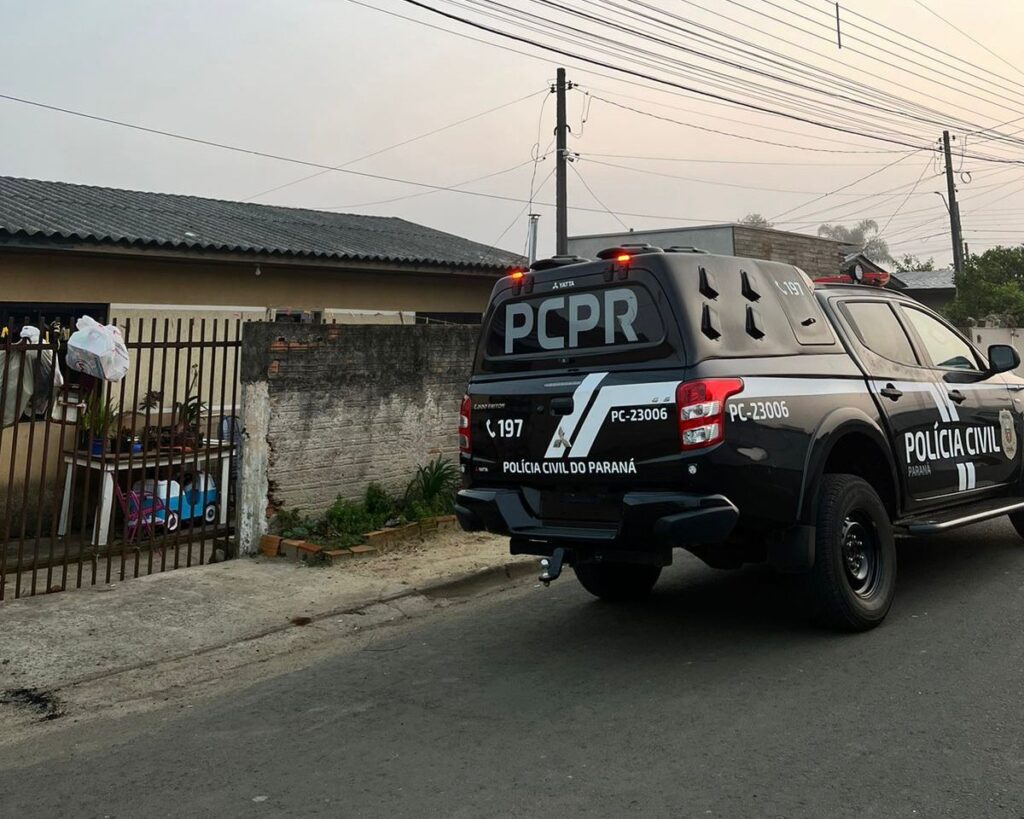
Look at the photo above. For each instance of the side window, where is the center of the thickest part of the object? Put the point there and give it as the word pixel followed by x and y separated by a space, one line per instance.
pixel 945 348
pixel 880 331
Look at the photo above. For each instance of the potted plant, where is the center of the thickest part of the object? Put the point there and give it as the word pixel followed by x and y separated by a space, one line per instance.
pixel 188 414
pixel 97 422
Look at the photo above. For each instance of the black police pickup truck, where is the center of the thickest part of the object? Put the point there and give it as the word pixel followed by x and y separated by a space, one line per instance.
pixel 653 400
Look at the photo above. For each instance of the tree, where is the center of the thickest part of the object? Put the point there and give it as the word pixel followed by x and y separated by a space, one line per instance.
pixel 863 235
pixel 755 220
pixel 991 284
pixel 908 263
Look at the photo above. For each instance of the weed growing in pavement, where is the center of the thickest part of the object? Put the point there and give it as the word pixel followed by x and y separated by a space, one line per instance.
pixel 430 492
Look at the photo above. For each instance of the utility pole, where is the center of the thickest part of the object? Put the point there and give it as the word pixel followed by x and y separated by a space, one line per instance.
pixel 561 130
pixel 954 208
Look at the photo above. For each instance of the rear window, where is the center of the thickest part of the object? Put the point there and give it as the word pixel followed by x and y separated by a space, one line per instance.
pixel 600 324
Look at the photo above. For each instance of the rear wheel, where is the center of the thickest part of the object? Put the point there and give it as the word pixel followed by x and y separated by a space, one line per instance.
pixel 617 582
pixel 172 522
pixel 853 580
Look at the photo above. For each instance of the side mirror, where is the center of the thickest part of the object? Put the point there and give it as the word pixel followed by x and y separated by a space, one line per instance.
pixel 1002 358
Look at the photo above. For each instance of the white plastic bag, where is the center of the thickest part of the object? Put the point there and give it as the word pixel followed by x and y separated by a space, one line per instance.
pixel 97 350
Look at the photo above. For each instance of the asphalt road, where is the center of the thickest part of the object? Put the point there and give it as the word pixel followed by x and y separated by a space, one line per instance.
pixel 713 699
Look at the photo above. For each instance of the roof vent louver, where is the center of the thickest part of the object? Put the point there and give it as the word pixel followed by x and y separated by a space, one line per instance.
pixel 709 323
pixel 707 285
pixel 749 293
pixel 556 261
pixel 754 323
pixel 684 249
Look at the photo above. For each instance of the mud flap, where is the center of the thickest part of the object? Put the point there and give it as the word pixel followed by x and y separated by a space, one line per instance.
pixel 791 550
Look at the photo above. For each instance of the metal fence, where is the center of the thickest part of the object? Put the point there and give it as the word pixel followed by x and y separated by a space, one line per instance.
pixel 101 481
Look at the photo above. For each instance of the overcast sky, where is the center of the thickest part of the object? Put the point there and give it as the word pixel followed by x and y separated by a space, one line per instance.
pixel 329 81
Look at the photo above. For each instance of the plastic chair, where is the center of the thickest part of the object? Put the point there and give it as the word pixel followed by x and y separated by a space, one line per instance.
pixel 137 514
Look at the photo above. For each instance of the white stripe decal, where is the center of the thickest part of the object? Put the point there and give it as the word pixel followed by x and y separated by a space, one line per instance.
pixel 950 403
pixel 961 472
pixel 972 476
pixel 766 387
pixel 942 406
pixel 623 395
pixel 565 429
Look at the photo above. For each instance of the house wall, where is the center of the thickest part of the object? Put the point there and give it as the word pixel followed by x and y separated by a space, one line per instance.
pixel 935 298
pixel 816 257
pixel 146 281
pixel 327 409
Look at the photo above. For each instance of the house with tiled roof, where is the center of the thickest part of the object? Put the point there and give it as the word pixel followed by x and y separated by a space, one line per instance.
pixel 934 288
pixel 116 254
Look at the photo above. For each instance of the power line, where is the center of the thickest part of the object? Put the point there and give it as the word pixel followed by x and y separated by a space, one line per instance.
pixel 806 50
pixel 905 200
pixel 597 199
pixel 670 83
pixel 395 145
pixel 588 157
pixel 426 193
pixel 775 59
pixel 844 187
pixel 947 77
pixel 640 32
pixel 720 132
pixel 310 164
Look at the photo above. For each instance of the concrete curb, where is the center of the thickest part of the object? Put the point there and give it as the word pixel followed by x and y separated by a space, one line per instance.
pixel 481 580
pixel 466 585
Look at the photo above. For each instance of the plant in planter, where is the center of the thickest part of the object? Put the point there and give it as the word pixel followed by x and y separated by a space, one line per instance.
pixel 97 423
pixel 432 489
pixel 188 414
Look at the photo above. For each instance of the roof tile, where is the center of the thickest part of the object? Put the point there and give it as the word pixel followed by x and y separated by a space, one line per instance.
pixel 63 211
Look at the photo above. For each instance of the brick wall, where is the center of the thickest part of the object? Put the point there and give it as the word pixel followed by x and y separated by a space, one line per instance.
pixel 813 255
pixel 329 408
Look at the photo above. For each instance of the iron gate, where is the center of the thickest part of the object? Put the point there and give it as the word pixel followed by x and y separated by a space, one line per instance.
pixel 101 481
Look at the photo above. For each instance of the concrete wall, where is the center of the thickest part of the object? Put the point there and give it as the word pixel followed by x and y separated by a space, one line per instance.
pixel 815 256
pixel 983 337
pixel 717 239
pixel 327 409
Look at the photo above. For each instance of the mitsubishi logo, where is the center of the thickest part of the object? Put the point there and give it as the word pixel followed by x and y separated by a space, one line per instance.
pixel 561 442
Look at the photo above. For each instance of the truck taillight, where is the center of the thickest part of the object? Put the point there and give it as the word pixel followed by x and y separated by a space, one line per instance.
pixel 465 445
pixel 701 407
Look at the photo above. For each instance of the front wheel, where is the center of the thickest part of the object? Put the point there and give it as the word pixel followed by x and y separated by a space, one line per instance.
pixel 617 582
pixel 853 580
pixel 1017 519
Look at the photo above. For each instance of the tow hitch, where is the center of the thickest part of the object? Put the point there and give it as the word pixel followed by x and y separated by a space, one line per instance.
pixel 552 566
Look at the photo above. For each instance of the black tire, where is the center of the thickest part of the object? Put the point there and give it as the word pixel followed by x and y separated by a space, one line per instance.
pixel 853 581
pixel 1017 519
pixel 617 582
pixel 210 513
pixel 171 522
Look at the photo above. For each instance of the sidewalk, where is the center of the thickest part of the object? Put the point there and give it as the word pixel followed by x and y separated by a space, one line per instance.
pixel 87 638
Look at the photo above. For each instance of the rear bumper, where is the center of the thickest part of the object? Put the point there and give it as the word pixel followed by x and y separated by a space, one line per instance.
pixel 650 520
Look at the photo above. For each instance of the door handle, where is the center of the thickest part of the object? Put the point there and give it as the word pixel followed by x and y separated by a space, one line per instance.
pixel 957 396
pixel 889 391
pixel 561 406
